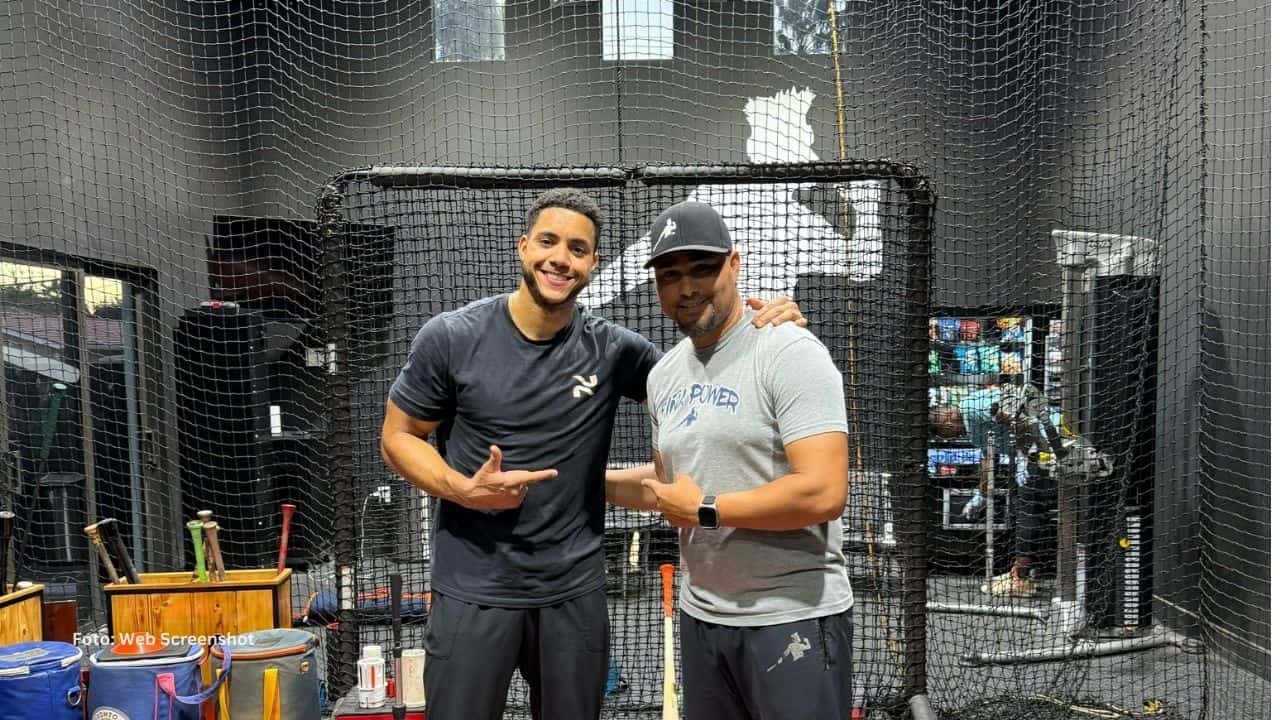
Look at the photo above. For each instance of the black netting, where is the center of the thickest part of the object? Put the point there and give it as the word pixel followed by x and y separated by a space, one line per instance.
pixel 182 331
pixel 796 228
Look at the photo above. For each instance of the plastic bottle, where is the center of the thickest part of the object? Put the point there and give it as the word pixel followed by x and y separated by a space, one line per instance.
pixel 371 671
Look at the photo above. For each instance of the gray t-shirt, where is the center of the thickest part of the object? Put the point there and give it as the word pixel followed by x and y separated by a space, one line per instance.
pixel 724 416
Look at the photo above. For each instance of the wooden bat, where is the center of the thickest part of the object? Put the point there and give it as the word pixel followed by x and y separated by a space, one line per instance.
pixel 110 530
pixel 213 551
pixel 7 521
pixel 397 649
pixel 287 509
pixel 196 528
pixel 669 709
pixel 95 538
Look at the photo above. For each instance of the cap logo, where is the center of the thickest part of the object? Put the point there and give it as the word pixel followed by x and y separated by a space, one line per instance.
pixel 668 230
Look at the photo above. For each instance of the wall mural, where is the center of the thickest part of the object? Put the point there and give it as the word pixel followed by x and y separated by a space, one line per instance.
pixel 779 236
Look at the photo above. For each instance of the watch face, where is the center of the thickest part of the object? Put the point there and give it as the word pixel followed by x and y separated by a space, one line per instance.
pixel 708 517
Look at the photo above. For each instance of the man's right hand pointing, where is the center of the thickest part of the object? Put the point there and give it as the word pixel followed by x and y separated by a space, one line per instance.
pixel 492 488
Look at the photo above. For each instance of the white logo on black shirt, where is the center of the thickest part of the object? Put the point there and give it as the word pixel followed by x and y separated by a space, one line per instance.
pixel 585 387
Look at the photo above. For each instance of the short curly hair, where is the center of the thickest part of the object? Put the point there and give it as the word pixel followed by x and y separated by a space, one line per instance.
pixel 569 199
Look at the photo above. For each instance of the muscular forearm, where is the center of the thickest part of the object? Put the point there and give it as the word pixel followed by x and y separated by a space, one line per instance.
pixel 790 502
pixel 420 464
pixel 623 487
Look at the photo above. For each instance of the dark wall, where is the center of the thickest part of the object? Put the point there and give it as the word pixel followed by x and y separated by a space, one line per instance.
pixel 1025 122
pixel 118 127
pixel 957 103
pixel 1235 341
pixel 125 128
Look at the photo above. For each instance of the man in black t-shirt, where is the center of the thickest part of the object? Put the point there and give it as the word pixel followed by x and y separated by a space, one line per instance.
pixel 527 381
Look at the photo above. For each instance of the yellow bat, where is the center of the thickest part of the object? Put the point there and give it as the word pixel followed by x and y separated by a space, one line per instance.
pixel 669 709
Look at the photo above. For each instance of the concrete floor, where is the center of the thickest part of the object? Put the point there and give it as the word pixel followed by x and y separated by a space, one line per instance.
pixel 1185 683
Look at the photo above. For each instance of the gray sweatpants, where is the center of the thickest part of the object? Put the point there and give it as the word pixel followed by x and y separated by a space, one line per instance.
pixel 773 672
pixel 562 651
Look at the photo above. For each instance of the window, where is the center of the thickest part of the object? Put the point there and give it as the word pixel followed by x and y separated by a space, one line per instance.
pixel 72 405
pixel 638 29
pixel 469 30
pixel 803 27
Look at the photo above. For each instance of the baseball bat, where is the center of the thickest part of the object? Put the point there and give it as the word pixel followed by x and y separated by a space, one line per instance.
pixel 287 509
pixel 669 709
pixel 213 551
pixel 95 538
pixel 205 516
pixel 196 528
pixel 397 649
pixel 110 529
pixel 7 519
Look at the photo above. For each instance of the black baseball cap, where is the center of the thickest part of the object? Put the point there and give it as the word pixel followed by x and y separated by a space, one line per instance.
pixel 688 226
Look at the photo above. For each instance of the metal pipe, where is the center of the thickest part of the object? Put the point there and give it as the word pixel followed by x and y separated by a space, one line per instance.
pixel 81 319
pixel 9 470
pixel 1073 257
pixel 403 176
pixel 129 341
pixel 1014 611
pixel 828 171
pixel 336 268
pixel 989 477
pixel 1077 650
pixel 911 512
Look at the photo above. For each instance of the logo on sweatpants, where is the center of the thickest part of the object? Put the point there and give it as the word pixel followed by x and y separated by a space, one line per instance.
pixel 795 650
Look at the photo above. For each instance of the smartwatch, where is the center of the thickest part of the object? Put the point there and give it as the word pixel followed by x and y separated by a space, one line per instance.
pixel 708 515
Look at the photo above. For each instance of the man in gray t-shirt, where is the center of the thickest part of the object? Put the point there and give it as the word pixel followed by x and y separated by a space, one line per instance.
pixel 750 445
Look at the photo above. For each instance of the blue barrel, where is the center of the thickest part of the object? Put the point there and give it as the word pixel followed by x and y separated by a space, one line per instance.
pixel 160 685
pixel 40 680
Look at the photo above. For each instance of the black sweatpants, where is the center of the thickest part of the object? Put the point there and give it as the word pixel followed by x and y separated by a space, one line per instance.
pixel 773 672
pixel 562 651
pixel 1034 537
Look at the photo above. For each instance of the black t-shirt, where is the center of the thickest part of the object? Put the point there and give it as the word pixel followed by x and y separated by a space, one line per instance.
pixel 547 405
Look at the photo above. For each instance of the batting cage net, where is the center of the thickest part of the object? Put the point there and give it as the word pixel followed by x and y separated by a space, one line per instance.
pixel 1033 236
pixel 446 235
